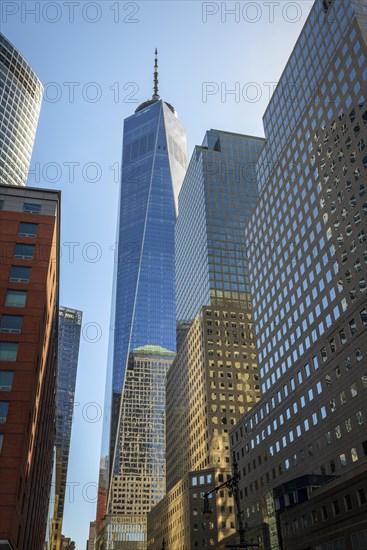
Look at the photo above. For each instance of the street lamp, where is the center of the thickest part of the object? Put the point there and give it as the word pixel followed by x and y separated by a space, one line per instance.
pixel 232 486
pixel 163 544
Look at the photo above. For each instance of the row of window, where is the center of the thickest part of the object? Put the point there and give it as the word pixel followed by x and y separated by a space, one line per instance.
pixel 335 507
pixel 303 374
pixel 29 208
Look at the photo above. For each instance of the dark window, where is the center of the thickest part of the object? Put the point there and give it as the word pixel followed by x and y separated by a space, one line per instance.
pixel 8 351
pixel 347 502
pixel 31 208
pixel 28 229
pixel 324 513
pixel 20 274
pixel 4 405
pixel 335 507
pixel 11 323
pixel 361 497
pixel 15 298
pixel 24 251
pixel 6 380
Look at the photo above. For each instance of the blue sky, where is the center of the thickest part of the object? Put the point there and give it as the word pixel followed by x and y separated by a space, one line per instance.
pixel 95 60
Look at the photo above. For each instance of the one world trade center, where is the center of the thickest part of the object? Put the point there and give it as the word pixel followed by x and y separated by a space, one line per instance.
pixel 132 475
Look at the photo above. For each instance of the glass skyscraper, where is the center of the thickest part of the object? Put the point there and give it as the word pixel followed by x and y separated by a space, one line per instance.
pixel 154 162
pixel 70 323
pixel 216 201
pixel 213 379
pixel 20 104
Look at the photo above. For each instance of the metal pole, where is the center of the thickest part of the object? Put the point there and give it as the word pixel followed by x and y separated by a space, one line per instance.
pixel 236 494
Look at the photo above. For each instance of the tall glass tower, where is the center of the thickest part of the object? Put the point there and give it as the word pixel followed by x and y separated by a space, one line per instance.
pixel 70 324
pixel 154 162
pixel 20 103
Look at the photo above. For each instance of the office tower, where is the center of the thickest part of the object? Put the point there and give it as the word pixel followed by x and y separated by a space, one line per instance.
pixel 29 280
pixel 20 104
pixel 70 323
pixel 153 167
pixel 213 379
pixel 308 283
pixel 218 197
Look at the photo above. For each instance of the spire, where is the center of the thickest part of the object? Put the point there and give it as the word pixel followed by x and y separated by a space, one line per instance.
pixel 156 95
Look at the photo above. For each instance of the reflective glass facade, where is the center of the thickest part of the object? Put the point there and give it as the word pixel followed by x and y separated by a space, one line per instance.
pixel 70 323
pixel 20 104
pixel 153 166
pixel 216 201
pixel 154 162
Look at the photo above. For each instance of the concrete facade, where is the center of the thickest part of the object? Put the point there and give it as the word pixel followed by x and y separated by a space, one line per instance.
pixel 307 265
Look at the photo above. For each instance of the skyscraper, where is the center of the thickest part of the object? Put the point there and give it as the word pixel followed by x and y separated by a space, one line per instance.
pixel 216 202
pixel 153 166
pixel 20 104
pixel 70 322
pixel 29 283
pixel 308 282
pixel 214 377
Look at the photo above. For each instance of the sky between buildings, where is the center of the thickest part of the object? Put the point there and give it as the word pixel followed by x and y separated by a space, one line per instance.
pixel 218 65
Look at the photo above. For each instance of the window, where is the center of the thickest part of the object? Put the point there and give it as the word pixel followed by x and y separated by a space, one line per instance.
pixel 11 323
pixel 20 274
pixel 354 454
pixel 15 298
pixel 361 497
pixel 359 416
pixel 27 229
pixel 343 460
pixel 324 513
pixel 347 503
pixel 6 380
pixel 335 507
pixel 353 327
pixel 4 406
pixel 31 208
pixel 24 251
pixel 8 351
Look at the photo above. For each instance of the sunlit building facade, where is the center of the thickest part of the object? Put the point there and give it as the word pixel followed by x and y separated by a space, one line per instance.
pixel 20 103
pixel 214 376
pixel 153 167
pixel 29 289
pixel 215 204
pixel 307 268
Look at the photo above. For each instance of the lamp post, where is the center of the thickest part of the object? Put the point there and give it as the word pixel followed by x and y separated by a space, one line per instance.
pixel 232 486
pixel 163 544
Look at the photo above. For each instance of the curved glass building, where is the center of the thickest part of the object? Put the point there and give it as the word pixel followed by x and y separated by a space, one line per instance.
pixel 20 103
